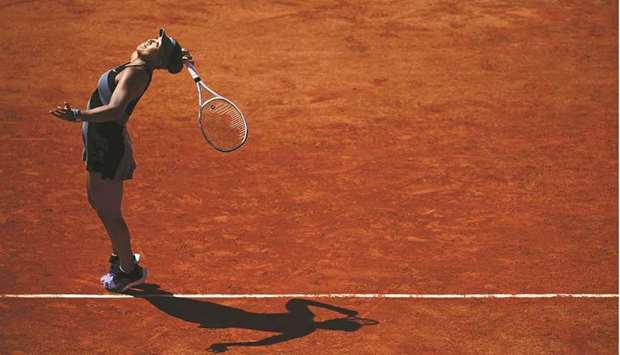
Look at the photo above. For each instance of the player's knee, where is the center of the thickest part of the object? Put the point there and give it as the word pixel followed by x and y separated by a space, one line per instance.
pixel 109 214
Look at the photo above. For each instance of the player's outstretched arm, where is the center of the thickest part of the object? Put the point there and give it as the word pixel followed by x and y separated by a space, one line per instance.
pixel 129 87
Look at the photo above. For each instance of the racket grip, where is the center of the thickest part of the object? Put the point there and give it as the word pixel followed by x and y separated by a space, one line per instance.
pixel 192 71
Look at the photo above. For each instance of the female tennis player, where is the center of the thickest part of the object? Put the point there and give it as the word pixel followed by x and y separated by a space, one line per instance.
pixel 107 146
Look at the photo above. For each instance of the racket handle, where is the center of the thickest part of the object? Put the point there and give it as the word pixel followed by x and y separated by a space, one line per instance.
pixel 192 71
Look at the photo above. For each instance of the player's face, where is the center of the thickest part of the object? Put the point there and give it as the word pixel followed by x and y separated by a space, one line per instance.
pixel 149 51
pixel 149 46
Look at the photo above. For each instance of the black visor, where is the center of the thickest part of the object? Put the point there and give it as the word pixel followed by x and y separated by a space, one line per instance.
pixel 172 52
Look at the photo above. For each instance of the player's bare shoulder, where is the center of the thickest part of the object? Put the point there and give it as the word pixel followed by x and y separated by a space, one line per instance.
pixel 134 79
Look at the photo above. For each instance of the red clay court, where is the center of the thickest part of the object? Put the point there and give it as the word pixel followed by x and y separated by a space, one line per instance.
pixel 413 148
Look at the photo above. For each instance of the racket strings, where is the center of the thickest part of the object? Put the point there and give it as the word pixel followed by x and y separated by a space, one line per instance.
pixel 223 125
pixel 228 112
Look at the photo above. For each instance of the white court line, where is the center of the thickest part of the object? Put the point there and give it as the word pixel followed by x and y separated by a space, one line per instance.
pixel 324 295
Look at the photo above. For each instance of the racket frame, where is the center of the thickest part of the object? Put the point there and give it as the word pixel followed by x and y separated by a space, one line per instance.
pixel 202 103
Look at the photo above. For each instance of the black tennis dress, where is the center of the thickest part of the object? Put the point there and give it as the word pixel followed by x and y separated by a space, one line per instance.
pixel 107 146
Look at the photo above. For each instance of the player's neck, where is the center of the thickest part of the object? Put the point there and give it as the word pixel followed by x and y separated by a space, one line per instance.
pixel 140 61
pixel 135 59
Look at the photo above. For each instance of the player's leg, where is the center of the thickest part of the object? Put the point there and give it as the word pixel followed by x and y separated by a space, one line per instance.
pixel 91 202
pixel 106 197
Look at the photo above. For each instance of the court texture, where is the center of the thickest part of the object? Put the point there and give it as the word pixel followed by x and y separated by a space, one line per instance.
pixel 446 170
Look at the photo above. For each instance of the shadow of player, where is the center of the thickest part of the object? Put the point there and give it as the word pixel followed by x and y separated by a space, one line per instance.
pixel 296 323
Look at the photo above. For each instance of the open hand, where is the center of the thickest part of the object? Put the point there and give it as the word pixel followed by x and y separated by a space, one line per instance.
pixel 64 112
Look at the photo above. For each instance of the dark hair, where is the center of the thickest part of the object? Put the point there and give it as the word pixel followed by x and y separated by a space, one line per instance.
pixel 175 62
pixel 173 52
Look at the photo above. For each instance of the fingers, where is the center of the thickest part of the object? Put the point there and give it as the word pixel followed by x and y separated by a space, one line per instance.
pixel 59 111
pixel 62 113
pixel 57 114
pixel 65 106
pixel 186 56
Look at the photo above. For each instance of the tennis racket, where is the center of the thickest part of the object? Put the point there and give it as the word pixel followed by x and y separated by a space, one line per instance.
pixel 221 122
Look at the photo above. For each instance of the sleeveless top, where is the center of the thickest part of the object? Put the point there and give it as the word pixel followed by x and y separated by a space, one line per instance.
pixel 104 142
